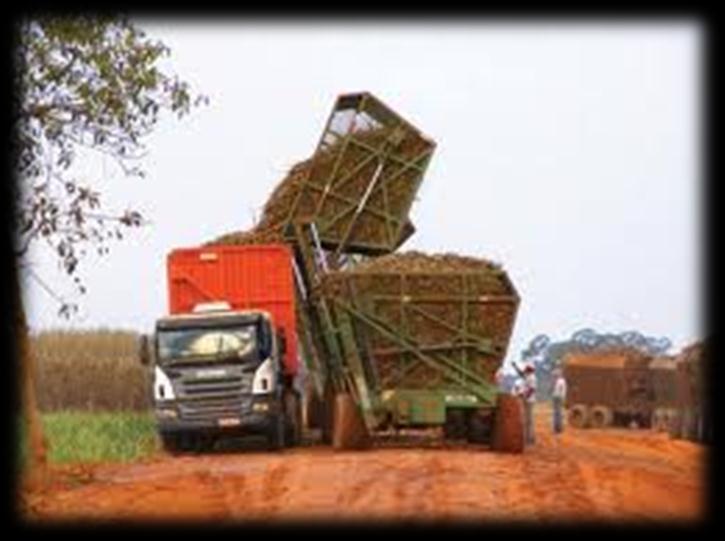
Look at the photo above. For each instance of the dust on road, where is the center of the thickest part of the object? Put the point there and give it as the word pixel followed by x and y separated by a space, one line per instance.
pixel 615 474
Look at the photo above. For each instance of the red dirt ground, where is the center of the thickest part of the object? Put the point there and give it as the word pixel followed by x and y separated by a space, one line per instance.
pixel 612 474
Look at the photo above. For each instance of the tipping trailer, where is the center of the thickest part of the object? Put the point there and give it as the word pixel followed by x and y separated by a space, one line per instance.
pixel 424 344
pixel 609 388
pixel 225 359
pixel 353 203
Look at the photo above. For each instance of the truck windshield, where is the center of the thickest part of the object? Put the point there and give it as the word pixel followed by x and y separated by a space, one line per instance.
pixel 224 343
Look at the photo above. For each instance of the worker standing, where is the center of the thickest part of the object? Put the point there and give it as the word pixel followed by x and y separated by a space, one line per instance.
pixel 558 398
pixel 525 388
pixel 530 400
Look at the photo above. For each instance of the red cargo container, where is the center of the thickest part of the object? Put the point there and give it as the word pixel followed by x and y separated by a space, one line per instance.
pixel 247 277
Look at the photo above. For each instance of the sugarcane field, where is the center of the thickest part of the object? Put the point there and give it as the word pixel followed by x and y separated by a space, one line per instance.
pixel 379 341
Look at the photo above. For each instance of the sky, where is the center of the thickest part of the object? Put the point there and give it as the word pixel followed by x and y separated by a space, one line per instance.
pixel 569 153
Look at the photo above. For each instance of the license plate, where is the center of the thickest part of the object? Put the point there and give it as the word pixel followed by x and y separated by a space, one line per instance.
pixel 229 421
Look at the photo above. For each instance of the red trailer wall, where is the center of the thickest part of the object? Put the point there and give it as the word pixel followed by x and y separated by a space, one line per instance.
pixel 247 277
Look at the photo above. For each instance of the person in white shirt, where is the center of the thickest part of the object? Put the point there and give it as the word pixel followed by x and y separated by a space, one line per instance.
pixel 530 400
pixel 558 398
pixel 525 388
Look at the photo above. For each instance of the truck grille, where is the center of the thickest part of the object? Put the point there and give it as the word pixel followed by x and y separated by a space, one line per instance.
pixel 200 399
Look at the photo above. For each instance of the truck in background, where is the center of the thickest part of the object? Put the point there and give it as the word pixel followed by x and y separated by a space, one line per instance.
pixel 225 359
pixel 609 388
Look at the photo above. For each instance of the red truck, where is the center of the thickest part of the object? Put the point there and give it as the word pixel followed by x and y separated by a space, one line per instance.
pixel 225 359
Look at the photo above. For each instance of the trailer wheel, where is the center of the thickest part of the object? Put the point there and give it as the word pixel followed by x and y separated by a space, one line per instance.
pixel 660 420
pixel 480 424
pixel 508 425
pixel 455 426
pixel 349 430
pixel 670 418
pixel 600 417
pixel 578 416
pixel 675 428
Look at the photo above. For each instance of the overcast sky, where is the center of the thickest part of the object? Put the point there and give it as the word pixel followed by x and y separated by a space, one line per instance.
pixel 568 153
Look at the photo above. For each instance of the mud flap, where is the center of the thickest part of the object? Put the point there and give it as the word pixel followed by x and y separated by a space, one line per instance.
pixel 508 425
pixel 349 430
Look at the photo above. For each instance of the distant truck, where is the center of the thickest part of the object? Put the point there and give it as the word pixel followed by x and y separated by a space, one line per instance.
pixel 609 388
pixel 225 359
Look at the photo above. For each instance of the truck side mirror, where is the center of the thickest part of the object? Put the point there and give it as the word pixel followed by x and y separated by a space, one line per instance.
pixel 143 350
pixel 282 339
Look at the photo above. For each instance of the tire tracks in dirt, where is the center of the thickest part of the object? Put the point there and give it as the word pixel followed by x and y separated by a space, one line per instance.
pixel 274 487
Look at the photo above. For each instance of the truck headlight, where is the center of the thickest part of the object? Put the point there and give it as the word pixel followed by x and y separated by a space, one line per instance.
pixel 163 390
pixel 260 406
pixel 264 378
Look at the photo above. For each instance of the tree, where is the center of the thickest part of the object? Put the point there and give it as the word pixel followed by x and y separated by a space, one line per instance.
pixel 85 86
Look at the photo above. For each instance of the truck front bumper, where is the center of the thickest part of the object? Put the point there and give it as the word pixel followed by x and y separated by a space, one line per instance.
pixel 257 418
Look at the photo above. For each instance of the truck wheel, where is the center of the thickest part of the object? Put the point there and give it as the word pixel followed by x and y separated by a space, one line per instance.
pixel 204 443
pixel 349 430
pixel 455 426
pixel 676 425
pixel 660 420
pixel 184 442
pixel 578 416
pixel 170 442
pixel 670 416
pixel 508 425
pixel 276 435
pixel 480 424
pixel 600 417
pixel 293 419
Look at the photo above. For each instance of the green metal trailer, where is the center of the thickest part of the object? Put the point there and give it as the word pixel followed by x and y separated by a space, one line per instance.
pixel 422 348
pixel 395 348
pixel 361 182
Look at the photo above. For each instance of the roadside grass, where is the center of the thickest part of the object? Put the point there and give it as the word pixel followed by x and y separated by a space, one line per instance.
pixel 80 436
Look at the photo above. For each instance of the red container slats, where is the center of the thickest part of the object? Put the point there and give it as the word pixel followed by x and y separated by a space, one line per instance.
pixel 247 277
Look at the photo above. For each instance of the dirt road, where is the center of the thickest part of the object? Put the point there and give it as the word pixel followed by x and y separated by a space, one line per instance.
pixel 592 475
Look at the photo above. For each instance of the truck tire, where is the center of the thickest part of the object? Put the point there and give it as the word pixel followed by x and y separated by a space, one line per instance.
pixel 600 417
pixel 672 418
pixel 676 425
pixel 578 416
pixel 349 430
pixel 661 420
pixel 293 419
pixel 276 434
pixel 170 442
pixel 455 427
pixel 508 425
pixel 480 425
